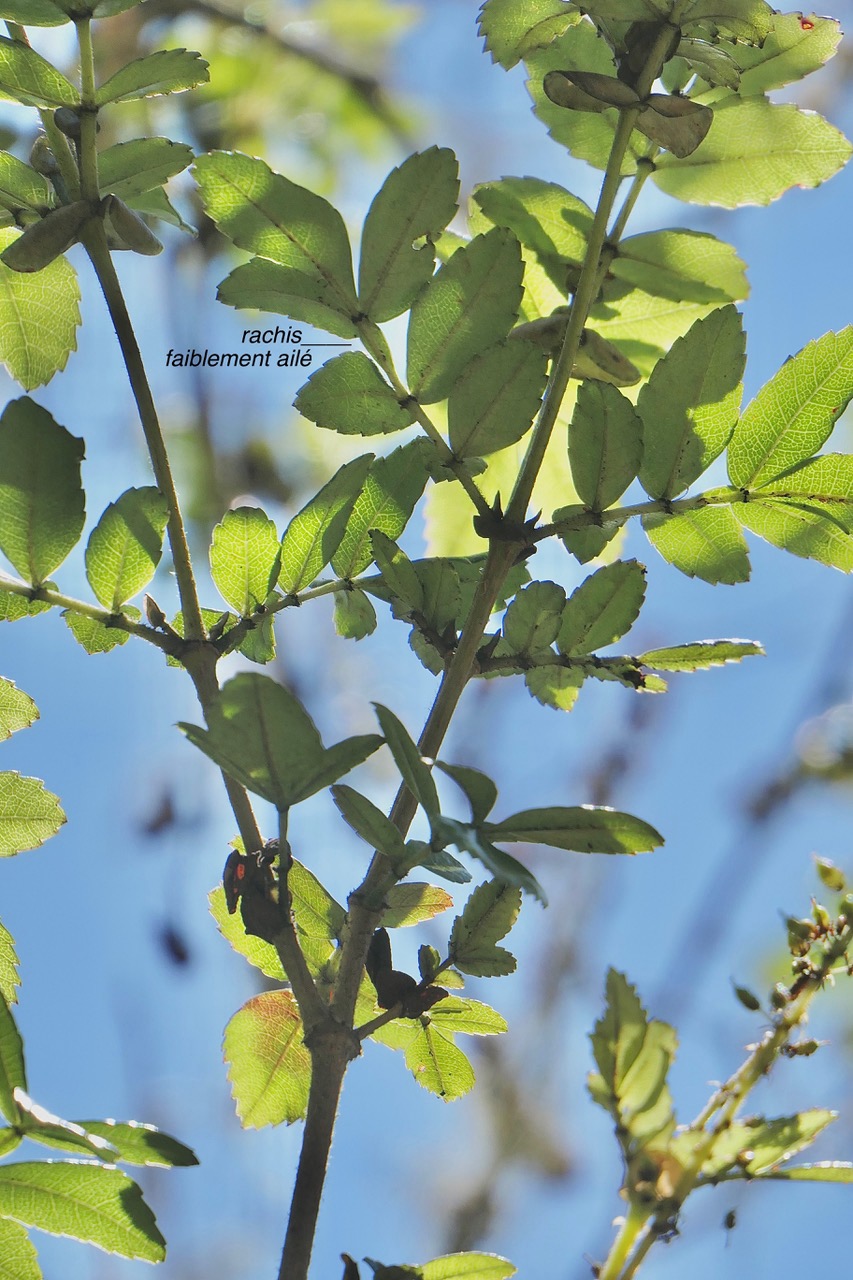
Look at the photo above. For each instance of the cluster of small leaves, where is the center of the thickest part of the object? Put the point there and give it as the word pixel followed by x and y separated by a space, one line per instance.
pixel 451 1266
pixel 633 1055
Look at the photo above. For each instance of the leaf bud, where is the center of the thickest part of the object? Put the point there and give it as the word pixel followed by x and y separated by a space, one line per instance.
pixel 831 875
pixel 67 121
pixel 779 996
pixel 42 158
pixel 131 230
pixel 822 918
pixel 154 613
pixel 746 997
pixel 46 239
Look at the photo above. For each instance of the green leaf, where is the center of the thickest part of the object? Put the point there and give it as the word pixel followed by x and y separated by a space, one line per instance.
pixel 795 46
pixel 582 828
pixel 131 168
pixel 261 735
pixel 29 814
pixel 706 543
pixel 166 71
pixel 799 529
pixel 260 285
pixel 39 315
pixel 502 866
pixel 126 545
pixel 690 404
pixel 262 955
pixel 768 1142
pixel 13 606
pixel 414 772
pixel 391 488
pixel 368 821
pixel 156 204
pixel 410 903
pixel 532 620
pixel 554 686
pixel 602 608
pixel 793 414
pixel 18 1258
pixel 543 216
pixel 487 916
pixel 458 1015
pixel 42 1126
pixel 511 31
pixel 754 152
pixel 439 862
pixel 478 787
pixel 274 218
pixel 824 484
pixel 27 77
pixel 12 1070
pixel 824 1171
pixel 467 1266
pixel 415 203
pixel 244 558
pixel 644 326
pixel 355 616
pixel 93 635
pixel 633 1055
pixel 141 1144
pixel 437 1064
pixel 98 1205
pixel 494 402
pixel 743 19
pixel 17 709
pixel 350 395
pixel 699 655
pixel 21 187
pixel 41 496
pixel 269 1066
pixel 605 444
pixel 683 265
pixel 315 533
pixel 398 573
pixel 470 304
pixel 33 13
pixel 9 980
pixel 315 911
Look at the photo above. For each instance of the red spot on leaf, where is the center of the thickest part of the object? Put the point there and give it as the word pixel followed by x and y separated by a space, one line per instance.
pixel 806 24
pixel 240 871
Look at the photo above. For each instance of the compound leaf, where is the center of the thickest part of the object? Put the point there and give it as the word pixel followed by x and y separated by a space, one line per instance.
pixel 131 168
pixel 166 71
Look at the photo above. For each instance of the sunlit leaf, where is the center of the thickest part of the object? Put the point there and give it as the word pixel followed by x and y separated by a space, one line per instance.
pixel 269 1066
pixel 27 77
pixel 391 488
pixel 602 608
pixel 166 71
pixel 17 709
pixel 128 169
pixel 39 315
pixel 605 444
pixel 582 828
pixel 315 533
pixel 126 545
pixel 511 31
pixel 350 395
pixel 243 556
pixel 410 903
pixel 706 543
pixel 29 813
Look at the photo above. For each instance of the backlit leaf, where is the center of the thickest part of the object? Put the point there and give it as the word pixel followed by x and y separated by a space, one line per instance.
pixel 368 821
pixel 243 557
pixel 414 772
pixel 29 813
pixel 554 686
pixel 754 152
pixel 511 31
pixel 39 315
pixel 17 709
pixel 470 304
pixel 605 444
pixel 543 217
pixel 824 484
pixel 794 413
pixel 795 46
pixel 261 285
pixel 315 911
pixel 9 979
pixel 690 403
pixel 269 1066
pixel 128 169
pixel 355 616
pixel 583 828
pixel 141 1144
pixel 98 1205
pixel 21 187
pixel 350 395
pixel 487 916
pixel 494 402
pixel 478 787
pixel 315 533
pixel 501 865
pixel 699 654
pixel 410 903
pixel 35 13
pixel 25 76
pixel 93 635
pixel 262 955
pixel 260 733
pixel 18 1258
pixel 126 545
pixel 391 488
pixel 467 1266
pixel 767 1142
pixel 166 71
pixel 706 543
pixel 802 530
pixel 533 618
pixel 414 205
pixel 12 1071
pixel 602 608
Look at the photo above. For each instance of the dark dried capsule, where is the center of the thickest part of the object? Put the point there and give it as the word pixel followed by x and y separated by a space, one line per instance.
pixel 46 239
pixel 131 230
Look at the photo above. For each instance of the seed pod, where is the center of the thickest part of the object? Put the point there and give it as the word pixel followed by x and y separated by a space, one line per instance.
pixel 67 121
pixel 47 239
pixel 130 228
